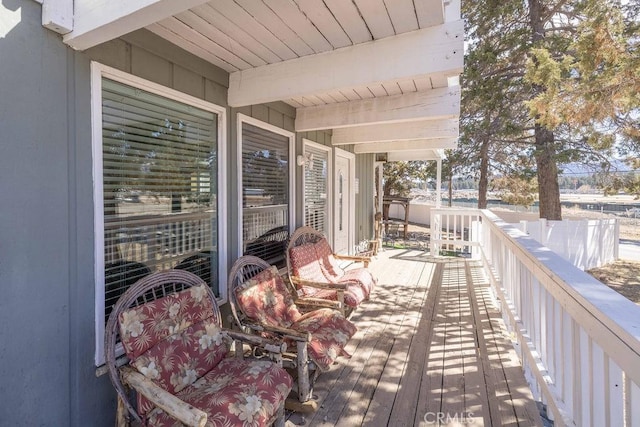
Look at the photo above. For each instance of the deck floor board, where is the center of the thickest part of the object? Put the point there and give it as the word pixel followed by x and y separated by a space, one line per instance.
pixel 431 349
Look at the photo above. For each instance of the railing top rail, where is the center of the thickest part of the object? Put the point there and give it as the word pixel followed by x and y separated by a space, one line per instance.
pixel 143 220
pixel 265 208
pixel 599 309
pixel 454 209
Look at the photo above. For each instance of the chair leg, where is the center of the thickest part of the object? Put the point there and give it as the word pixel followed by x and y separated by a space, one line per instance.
pixel 304 387
pixel 122 415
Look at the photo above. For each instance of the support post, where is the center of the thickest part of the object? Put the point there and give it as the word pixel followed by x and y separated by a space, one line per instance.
pixel 439 183
pixel 380 169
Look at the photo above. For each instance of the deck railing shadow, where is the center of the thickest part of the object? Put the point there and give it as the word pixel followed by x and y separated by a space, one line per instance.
pixel 577 339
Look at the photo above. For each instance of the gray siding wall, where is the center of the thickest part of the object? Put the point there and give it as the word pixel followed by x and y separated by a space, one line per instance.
pixel 46 220
pixel 47 372
pixel 46 235
pixel 365 209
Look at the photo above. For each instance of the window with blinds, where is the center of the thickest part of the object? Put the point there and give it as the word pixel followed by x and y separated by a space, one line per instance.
pixel 316 180
pixel 159 167
pixel 265 193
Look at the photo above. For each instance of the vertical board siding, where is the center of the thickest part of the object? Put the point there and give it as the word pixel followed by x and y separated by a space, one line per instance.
pixel 365 209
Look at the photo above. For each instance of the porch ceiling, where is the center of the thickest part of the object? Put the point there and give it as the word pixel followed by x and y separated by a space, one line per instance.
pixel 340 63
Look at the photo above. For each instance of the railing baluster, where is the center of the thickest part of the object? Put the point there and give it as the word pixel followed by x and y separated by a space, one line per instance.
pixel 633 413
pixel 616 398
pixel 599 389
pixel 581 351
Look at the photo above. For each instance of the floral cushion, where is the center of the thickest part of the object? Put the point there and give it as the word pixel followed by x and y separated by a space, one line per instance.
pixel 173 340
pixel 315 262
pixel 144 326
pixel 306 265
pixel 330 332
pixel 353 295
pixel 362 277
pixel 328 263
pixel 266 299
pixel 179 360
pixel 234 393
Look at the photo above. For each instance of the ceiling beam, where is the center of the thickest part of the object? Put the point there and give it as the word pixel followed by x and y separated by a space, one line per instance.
pixel 57 15
pixel 413 155
pixel 413 145
pixel 434 104
pixel 432 50
pixel 98 21
pixel 417 129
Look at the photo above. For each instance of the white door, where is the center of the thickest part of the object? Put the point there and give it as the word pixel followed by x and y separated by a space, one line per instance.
pixel 344 202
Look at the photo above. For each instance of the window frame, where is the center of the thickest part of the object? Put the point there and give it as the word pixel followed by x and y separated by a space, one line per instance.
pixel 98 72
pixel 329 150
pixel 241 119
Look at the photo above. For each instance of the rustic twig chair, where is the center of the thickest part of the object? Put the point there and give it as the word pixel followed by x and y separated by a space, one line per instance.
pixel 270 246
pixel 314 271
pixel 169 325
pixel 261 302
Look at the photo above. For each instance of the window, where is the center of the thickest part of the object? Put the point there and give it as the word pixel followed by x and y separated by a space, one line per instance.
pixel 156 169
pixel 316 186
pixel 266 189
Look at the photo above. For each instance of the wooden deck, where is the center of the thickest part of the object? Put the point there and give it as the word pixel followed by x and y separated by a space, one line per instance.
pixel 430 349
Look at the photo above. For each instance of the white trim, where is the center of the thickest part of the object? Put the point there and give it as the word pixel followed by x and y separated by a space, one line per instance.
pixel 406 145
pixel 330 178
pixel 438 183
pixel 243 118
pixel 404 131
pixel 99 71
pixel 98 209
pixel 149 86
pixel 98 21
pixel 57 15
pixel 338 152
pixel 395 156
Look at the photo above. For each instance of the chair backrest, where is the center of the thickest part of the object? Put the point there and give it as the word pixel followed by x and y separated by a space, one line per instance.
pixel 330 266
pixel 259 295
pixel 118 277
pixel 170 313
pixel 310 256
pixel 302 237
pixel 270 246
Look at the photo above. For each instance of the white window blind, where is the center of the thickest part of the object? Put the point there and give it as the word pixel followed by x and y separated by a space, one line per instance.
pixel 159 187
pixel 265 192
pixel 316 188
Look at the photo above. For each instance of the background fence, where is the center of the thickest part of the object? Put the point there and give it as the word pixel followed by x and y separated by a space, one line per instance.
pixel 586 243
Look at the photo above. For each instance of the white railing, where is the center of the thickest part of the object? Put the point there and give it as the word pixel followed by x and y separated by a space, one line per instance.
pixel 258 220
pixel 158 239
pixel 578 340
pixel 585 243
pixel 454 230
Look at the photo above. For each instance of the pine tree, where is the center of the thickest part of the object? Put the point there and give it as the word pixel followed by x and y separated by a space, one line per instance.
pixel 527 104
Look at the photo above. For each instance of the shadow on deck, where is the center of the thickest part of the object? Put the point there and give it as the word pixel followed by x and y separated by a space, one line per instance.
pixel 431 349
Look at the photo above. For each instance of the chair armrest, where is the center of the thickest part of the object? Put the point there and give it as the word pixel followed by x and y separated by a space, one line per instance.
pixel 282 332
pixel 363 259
pixel 256 340
pixel 320 285
pixel 318 303
pixel 164 400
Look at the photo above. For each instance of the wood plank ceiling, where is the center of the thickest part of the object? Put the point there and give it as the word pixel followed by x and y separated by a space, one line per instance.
pixel 238 35
pixel 362 68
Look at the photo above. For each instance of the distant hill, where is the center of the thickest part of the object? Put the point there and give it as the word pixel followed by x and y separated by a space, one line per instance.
pixel 579 169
